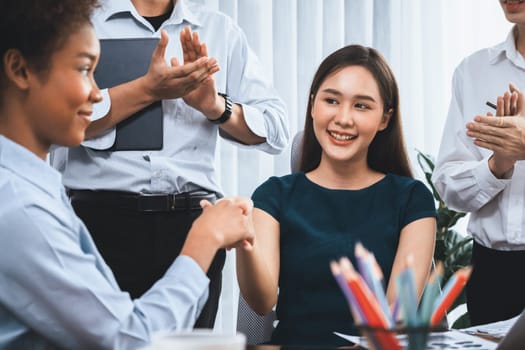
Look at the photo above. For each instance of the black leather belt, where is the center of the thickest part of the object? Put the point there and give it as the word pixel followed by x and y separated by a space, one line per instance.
pixel 143 202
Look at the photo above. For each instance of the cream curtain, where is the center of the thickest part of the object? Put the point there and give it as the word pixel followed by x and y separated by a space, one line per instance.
pixel 422 40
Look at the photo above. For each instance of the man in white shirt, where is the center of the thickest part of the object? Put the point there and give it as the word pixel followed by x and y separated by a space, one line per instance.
pixel 139 205
pixel 487 179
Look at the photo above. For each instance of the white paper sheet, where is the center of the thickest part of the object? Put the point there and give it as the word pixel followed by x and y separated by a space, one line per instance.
pixel 496 329
pixel 452 339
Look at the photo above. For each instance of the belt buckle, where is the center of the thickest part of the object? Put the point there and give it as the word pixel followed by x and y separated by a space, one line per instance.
pixel 151 202
pixel 181 201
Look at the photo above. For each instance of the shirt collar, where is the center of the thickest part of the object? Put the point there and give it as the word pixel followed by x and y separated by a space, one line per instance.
pixel 28 166
pixel 507 49
pixel 181 13
pixel 112 8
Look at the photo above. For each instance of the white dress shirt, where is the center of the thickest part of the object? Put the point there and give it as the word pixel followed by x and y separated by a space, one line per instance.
pixel 56 290
pixel 462 176
pixel 187 159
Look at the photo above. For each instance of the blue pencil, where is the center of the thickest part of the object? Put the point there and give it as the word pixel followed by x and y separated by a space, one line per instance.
pixel 369 270
pixel 430 294
pixel 363 265
pixel 406 290
pixel 395 310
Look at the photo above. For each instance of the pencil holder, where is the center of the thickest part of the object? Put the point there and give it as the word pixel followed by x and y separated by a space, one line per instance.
pixel 406 338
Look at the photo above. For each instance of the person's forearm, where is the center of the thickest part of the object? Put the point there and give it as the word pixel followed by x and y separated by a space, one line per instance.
pixel 126 99
pixel 237 128
pixel 500 166
pixel 415 250
pixel 257 285
pixel 460 182
pixel 201 247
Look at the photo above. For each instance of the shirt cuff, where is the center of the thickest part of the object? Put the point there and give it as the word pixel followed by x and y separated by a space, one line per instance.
pixel 106 139
pixel 489 184
pixel 255 120
pixel 186 266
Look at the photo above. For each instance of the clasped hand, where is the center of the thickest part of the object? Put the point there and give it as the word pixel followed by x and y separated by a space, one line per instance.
pixel 504 134
pixel 237 229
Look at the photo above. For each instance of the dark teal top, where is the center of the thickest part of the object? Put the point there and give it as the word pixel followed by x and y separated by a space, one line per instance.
pixel 319 225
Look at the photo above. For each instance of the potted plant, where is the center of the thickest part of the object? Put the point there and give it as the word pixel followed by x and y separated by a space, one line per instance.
pixel 452 248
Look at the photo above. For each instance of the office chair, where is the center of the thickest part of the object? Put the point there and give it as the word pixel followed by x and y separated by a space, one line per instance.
pixel 295 153
pixel 258 329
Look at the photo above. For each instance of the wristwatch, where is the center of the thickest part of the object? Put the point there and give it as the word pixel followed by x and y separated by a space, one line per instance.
pixel 227 111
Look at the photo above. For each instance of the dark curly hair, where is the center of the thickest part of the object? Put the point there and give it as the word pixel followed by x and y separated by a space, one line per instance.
pixel 37 28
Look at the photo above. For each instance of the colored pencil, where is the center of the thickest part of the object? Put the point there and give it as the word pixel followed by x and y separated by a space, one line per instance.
pixel 430 294
pixel 371 310
pixel 371 271
pixel 406 290
pixel 363 265
pixel 355 308
pixel 396 316
pixel 452 289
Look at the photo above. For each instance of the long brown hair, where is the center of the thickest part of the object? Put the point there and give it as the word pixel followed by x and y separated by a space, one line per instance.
pixel 387 152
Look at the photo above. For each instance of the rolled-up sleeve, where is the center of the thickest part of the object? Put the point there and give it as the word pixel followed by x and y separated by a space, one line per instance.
pixel 248 85
pixel 462 176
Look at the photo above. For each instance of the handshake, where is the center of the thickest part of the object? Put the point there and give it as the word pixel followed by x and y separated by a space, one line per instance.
pixel 225 224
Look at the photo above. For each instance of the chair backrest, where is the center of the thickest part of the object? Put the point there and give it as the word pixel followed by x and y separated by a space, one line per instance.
pixel 258 329
pixel 295 153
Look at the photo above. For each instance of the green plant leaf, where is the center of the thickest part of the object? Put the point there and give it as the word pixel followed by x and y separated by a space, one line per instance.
pixel 452 248
pixel 426 163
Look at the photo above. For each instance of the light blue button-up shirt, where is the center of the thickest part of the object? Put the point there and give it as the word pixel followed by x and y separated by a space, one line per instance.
pixel 187 160
pixel 55 289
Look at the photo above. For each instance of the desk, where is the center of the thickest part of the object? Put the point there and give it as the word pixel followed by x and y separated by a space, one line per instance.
pixel 277 347
pixel 357 347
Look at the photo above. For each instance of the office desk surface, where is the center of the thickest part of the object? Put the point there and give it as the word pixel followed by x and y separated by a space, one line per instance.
pixel 277 347
pixel 466 344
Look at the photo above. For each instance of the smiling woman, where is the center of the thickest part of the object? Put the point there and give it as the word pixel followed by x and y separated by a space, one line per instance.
pixel 56 291
pixel 63 121
pixel 423 41
pixel 41 63
pixel 355 185
pixel 348 110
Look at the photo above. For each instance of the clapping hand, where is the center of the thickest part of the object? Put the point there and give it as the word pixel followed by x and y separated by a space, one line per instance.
pixel 168 82
pixel 204 98
pixel 504 133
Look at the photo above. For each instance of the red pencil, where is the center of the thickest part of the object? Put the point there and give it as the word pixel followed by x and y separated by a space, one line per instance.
pixel 450 293
pixel 369 306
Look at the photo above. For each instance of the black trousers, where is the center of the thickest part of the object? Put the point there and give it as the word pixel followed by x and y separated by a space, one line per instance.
pixel 496 289
pixel 140 246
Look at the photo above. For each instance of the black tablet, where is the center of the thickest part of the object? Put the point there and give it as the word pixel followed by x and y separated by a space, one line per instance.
pixel 122 60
